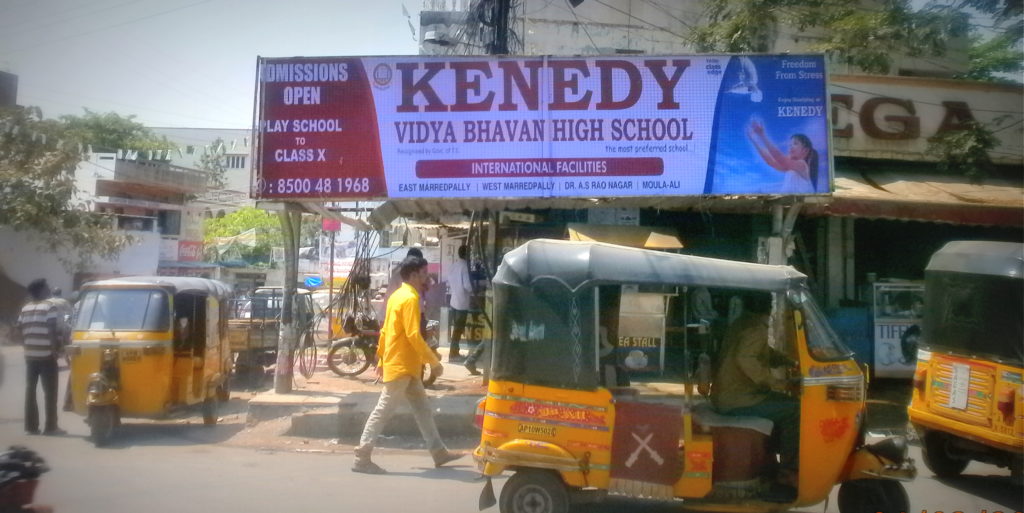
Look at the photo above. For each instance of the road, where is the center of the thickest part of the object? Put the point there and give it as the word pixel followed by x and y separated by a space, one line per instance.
pixel 183 466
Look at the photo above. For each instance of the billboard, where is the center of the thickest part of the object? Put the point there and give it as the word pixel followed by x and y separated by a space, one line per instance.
pixel 501 127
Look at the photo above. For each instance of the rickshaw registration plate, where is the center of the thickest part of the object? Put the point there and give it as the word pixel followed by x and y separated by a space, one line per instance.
pixel 959 387
pixel 131 355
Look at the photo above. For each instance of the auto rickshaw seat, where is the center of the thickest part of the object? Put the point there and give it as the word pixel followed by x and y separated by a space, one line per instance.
pixel 706 416
pixel 739 444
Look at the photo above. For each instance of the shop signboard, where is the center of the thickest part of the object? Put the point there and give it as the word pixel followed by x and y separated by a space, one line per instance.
pixel 190 250
pixel 502 127
pixel 641 338
pixel 898 308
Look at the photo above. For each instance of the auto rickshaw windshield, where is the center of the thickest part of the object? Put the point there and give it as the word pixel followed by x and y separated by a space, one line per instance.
pixel 822 343
pixel 123 309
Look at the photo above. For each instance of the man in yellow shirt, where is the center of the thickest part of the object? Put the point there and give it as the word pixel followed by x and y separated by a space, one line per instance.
pixel 401 355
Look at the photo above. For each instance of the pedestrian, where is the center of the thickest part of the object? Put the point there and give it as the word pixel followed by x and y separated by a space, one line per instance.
pixel 40 333
pixel 461 287
pixel 64 310
pixel 401 355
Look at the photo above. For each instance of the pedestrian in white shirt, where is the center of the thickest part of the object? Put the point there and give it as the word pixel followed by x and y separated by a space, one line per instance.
pixel 461 289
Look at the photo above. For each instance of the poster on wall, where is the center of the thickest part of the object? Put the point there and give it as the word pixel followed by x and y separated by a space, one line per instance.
pixel 488 127
pixel 898 308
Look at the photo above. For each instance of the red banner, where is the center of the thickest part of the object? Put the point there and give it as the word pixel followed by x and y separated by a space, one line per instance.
pixel 190 251
pixel 645 445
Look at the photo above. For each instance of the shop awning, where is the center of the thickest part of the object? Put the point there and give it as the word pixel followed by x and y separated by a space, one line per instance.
pixel 888 194
pixel 632 236
pixel 885 193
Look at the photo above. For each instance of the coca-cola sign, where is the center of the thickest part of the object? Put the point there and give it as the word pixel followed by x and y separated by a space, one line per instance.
pixel 190 251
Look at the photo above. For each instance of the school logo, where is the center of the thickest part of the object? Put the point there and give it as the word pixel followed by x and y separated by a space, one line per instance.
pixel 382 75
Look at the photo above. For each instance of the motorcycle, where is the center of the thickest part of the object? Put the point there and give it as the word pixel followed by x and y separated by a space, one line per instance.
pixel 20 469
pixel 351 356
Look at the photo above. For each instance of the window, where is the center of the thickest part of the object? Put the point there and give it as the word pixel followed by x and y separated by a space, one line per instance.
pixel 234 161
pixel 974 315
pixel 169 222
pixel 822 342
pixel 126 309
pixel 545 336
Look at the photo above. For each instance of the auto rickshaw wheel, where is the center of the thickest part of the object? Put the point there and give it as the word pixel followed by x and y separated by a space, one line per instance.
pixel 102 420
pixel 210 410
pixel 873 496
pixel 934 450
pixel 534 491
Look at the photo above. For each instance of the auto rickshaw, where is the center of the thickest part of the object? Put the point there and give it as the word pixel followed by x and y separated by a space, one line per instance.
pixel 570 433
pixel 968 398
pixel 146 346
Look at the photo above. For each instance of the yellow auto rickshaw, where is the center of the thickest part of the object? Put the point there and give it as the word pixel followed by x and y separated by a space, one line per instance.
pixel 968 399
pixel 571 431
pixel 146 346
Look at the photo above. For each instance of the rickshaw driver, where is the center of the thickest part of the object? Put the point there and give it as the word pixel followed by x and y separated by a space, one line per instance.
pixel 745 386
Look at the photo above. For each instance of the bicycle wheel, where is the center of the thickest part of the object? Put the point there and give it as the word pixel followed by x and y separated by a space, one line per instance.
pixel 347 359
pixel 305 356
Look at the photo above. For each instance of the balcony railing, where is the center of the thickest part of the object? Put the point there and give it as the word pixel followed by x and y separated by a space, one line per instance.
pixel 162 174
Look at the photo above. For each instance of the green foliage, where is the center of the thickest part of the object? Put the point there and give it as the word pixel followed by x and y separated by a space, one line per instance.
pixel 111 132
pixel 965 151
pixel 865 37
pixel 37 189
pixel 990 58
pixel 250 233
pixel 254 233
pixel 213 162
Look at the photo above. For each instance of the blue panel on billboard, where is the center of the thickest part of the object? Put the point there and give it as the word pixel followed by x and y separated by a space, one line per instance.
pixel 771 132
pixel 313 281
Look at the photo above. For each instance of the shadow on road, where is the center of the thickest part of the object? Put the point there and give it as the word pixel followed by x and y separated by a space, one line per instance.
pixel 463 472
pixel 154 434
pixel 185 428
pixel 998 489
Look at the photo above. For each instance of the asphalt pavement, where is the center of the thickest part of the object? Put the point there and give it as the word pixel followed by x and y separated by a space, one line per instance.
pixel 179 464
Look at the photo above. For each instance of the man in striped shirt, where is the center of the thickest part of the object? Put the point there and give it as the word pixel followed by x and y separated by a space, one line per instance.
pixel 40 333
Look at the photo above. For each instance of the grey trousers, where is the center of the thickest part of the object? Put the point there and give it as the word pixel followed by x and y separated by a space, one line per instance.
pixel 413 391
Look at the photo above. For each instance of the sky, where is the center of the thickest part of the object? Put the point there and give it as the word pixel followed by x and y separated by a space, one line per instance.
pixel 180 63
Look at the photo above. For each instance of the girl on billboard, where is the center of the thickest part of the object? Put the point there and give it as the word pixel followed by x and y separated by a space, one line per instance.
pixel 800 164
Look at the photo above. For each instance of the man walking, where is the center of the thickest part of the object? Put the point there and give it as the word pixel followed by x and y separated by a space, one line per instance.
pixel 461 290
pixel 40 333
pixel 401 354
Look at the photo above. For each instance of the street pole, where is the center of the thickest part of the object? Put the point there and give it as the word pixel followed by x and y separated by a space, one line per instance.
pixel 290 220
pixel 499 46
pixel 330 294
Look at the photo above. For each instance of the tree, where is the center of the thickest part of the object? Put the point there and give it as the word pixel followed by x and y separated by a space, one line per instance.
pixel 991 60
pixel 212 161
pixel 38 193
pixel 965 151
pixel 111 132
pixel 853 32
pixel 252 231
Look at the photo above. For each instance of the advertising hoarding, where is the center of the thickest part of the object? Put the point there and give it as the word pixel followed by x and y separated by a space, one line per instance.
pixel 490 127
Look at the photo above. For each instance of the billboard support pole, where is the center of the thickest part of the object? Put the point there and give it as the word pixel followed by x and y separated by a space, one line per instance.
pixel 290 219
